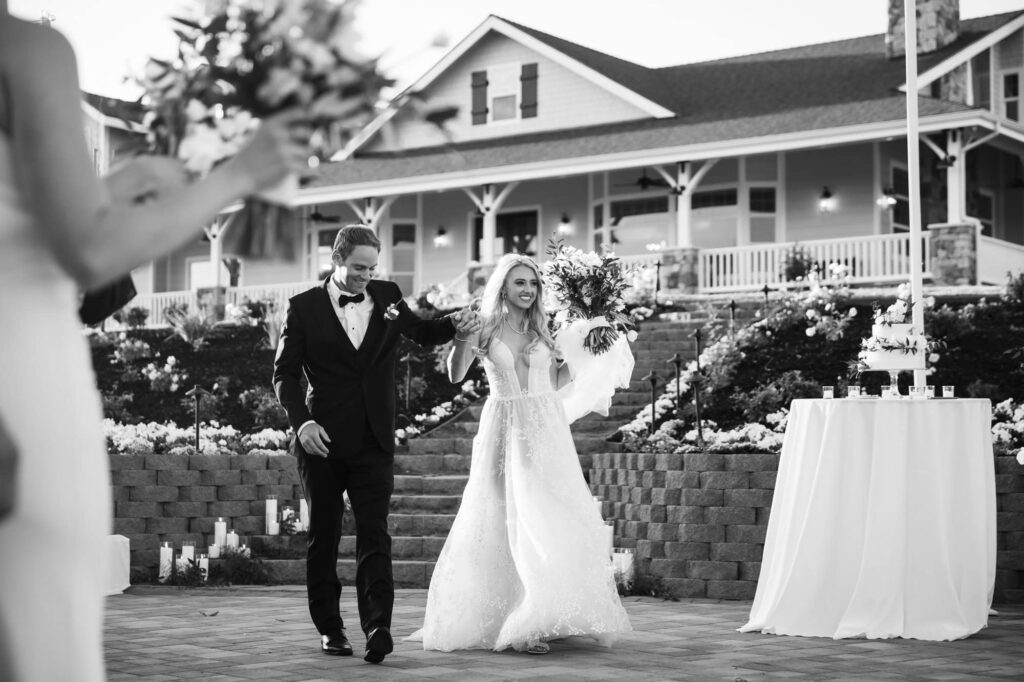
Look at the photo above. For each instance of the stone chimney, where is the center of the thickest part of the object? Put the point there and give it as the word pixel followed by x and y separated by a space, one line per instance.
pixel 938 25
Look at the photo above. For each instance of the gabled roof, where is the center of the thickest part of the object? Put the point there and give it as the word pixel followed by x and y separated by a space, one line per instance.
pixel 811 95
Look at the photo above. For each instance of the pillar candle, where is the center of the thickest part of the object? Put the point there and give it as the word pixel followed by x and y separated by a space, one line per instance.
pixel 273 527
pixel 232 539
pixel 599 503
pixel 188 551
pixel 204 566
pixel 220 532
pixel 214 551
pixel 304 513
pixel 166 559
pixel 609 530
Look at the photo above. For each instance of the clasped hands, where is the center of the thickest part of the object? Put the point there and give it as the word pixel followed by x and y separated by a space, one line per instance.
pixel 467 322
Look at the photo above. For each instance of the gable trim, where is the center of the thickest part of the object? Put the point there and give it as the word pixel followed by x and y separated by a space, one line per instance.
pixel 111 121
pixel 968 53
pixel 631 159
pixel 499 25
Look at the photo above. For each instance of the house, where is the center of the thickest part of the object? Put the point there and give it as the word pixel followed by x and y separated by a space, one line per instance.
pixel 712 170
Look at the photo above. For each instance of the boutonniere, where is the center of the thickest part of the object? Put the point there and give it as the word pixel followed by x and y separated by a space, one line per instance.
pixel 391 312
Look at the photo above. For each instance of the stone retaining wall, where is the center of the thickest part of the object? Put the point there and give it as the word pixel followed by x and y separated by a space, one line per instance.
pixel 698 521
pixel 177 498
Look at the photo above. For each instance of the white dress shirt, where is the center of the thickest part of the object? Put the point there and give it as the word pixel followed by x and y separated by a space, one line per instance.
pixel 355 317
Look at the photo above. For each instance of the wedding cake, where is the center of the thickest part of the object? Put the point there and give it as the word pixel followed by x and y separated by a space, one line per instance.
pixel 893 347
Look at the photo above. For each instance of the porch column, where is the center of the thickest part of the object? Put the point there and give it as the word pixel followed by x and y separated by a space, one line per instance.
pixel 956 185
pixel 489 203
pixel 684 228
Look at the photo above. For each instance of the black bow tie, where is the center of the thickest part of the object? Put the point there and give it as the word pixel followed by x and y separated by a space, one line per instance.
pixel 345 299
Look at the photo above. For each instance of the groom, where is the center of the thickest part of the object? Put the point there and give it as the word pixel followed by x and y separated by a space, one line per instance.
pixel 343 335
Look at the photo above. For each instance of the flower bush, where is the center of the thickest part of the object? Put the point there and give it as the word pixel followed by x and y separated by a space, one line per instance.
pixel 1008 429
pixel 469 392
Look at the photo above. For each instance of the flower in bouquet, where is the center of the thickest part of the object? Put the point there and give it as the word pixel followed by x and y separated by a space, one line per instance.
pixel 248 60
pixel 588 286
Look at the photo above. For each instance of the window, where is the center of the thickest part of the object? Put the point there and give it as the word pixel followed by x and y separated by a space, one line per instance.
pixel 505 92
pixel 1011 96
pixel 322 264
pixel 635 223
pixel 762 214
pixel 516 233
pixel 713 198
pixel 900 215
pixel 403 256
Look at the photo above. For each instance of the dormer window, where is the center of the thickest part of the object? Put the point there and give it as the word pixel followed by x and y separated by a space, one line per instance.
pixel 504 92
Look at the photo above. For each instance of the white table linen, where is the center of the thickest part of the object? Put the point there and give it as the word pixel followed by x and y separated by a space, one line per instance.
pixel 883 522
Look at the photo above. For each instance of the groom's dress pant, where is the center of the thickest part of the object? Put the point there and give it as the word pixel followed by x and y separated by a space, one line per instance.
pixel 370 480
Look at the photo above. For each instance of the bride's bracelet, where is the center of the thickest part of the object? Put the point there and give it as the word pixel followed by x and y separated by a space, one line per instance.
pixel 459 338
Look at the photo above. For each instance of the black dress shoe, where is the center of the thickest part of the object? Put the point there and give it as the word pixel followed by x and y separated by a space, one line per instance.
pixel 336 644
pixel 378 645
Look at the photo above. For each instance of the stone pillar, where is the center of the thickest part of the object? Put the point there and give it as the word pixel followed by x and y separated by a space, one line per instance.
pixel 953 248
pixel 938 25
pixel 688 269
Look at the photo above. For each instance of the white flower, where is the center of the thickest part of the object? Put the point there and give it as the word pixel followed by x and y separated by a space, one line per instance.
pixel 201 148
pixel 196 111
pixel 631 335
pixel 852 312
pixel 810 331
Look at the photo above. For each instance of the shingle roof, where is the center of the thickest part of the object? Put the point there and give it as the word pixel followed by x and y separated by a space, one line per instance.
pixel 808 88
pixel 115 108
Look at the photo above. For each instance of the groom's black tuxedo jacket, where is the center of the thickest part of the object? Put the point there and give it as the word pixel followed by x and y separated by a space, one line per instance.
pixel 349 390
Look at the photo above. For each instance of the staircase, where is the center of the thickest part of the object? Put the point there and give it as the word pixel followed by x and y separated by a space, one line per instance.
pixel 432 470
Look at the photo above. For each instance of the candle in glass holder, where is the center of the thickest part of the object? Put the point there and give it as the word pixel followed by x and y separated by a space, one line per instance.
pixel 948 392
pixel 245 551
pixel 853 391
pixel 188 550
pixel 304 513
pixel 214 551
pixel 204 566
pixel 828 392
pixel 220 532
pixel 166 560
pixel 273 527
pixel 232 539
pixel 929 391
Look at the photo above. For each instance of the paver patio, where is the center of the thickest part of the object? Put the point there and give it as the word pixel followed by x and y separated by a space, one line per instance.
pixel 264 633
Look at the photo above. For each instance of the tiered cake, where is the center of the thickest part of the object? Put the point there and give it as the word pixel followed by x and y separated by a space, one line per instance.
pixel 893 347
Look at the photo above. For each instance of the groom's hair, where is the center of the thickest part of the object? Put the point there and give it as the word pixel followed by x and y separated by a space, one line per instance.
pixel 351 236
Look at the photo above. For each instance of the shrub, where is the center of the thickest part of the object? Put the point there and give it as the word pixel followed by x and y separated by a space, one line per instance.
pixel 133 317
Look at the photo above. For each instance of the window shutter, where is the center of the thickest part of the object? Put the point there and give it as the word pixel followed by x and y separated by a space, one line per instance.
pixel 479 82
pixel 528 79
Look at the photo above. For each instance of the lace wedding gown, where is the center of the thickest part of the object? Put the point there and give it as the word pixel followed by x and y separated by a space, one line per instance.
pixel 52 548
pixel 526 558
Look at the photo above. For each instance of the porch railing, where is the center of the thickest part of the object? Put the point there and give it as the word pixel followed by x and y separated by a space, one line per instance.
pixel 996 258
pixel 877 258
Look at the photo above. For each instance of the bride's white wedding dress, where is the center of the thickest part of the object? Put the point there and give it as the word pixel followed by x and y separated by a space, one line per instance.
pixel 526 559
pixel 52 549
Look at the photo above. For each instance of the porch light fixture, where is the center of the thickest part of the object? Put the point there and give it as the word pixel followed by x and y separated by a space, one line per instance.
pixel 565 225
pixel 826 202
pixel 947 162
pixel 441 239
pixel 888 198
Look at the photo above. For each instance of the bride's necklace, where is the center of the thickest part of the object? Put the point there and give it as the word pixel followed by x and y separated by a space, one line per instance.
pixel 521 333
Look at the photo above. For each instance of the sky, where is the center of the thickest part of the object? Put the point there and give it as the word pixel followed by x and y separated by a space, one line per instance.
pixel 113 38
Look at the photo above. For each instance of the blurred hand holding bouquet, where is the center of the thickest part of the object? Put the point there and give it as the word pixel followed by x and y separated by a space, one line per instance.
pixel 248 60
pixel 588 287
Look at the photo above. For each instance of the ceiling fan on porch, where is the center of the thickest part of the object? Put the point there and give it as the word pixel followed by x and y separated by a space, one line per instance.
pixel 645 181
pixel 315 216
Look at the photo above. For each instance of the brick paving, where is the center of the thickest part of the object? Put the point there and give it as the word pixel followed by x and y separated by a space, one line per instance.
pixel 264 633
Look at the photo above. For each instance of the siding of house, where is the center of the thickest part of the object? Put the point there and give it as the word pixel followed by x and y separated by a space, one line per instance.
pixel 847 171
pixel 565 100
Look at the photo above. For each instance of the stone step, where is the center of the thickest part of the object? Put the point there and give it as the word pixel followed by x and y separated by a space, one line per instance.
pixel 418 524
pixel 430 504
pixel 433 463
pixel 408 573
pixel 436 484
pixel 427 445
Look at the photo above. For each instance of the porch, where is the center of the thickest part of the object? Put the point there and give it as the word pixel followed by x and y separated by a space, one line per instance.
pixel 875 259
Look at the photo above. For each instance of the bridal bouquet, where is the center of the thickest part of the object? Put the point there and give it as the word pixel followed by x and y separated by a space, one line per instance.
pixel 587 286
pixel 250 59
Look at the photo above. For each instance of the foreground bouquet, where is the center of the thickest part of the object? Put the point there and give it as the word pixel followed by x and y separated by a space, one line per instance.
pixel 251 59
pixel 588 287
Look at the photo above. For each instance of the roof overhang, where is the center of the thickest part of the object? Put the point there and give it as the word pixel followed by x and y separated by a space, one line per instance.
pixel 662 155
pixel 111 121
pixel 499 25
pixel 973 50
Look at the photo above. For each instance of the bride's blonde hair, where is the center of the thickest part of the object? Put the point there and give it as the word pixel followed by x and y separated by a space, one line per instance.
pixel 492 304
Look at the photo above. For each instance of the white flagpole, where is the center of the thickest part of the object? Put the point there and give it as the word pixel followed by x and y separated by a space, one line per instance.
pixel 914 173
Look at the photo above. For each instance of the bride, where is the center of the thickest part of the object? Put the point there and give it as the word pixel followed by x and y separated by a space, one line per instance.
pixel 526 560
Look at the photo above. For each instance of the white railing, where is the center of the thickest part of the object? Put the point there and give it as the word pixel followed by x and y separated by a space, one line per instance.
pixel 277 293
pixel 996 258
pixel 879 258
